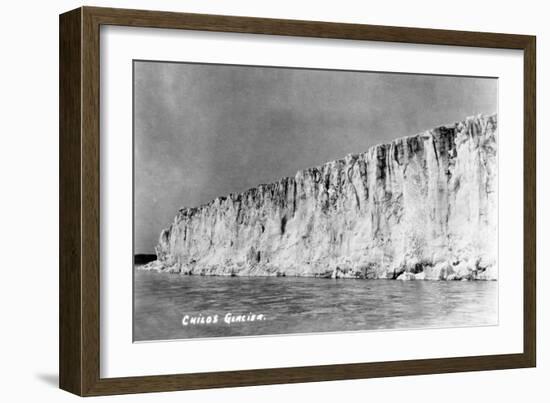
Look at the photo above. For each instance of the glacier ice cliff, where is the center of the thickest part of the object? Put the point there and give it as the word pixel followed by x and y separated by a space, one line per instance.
pixel 420 207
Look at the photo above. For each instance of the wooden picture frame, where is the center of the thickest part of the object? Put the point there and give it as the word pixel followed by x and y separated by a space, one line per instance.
pixel 79 345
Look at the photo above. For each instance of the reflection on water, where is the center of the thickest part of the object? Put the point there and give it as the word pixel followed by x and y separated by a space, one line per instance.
pixel 303 305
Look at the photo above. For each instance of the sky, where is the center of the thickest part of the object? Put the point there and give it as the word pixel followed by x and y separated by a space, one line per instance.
pixel 204 130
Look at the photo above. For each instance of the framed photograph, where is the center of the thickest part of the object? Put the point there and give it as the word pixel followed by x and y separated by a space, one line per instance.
pixel 249 201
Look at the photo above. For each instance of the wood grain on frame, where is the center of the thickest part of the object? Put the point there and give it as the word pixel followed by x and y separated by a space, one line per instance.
pixel 70 274
pixel 79 200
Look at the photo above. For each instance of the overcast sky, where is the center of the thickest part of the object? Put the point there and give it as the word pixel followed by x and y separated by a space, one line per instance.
pixel 202 131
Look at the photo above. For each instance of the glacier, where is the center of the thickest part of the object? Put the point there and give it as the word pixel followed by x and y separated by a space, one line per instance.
pixel 422 207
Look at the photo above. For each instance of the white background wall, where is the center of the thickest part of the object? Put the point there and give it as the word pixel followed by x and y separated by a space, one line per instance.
pixel 29 205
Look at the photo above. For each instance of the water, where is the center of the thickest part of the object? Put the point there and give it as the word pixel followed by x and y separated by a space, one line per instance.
pixel 303 305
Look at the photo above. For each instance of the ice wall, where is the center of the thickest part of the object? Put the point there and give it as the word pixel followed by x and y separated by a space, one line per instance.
pixel 420 207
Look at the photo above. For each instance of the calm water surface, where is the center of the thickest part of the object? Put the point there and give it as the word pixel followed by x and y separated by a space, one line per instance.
pixel 304 305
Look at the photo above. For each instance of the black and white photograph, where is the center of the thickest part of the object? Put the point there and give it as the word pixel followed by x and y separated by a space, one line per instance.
pixel 242 201
pixel 273 200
